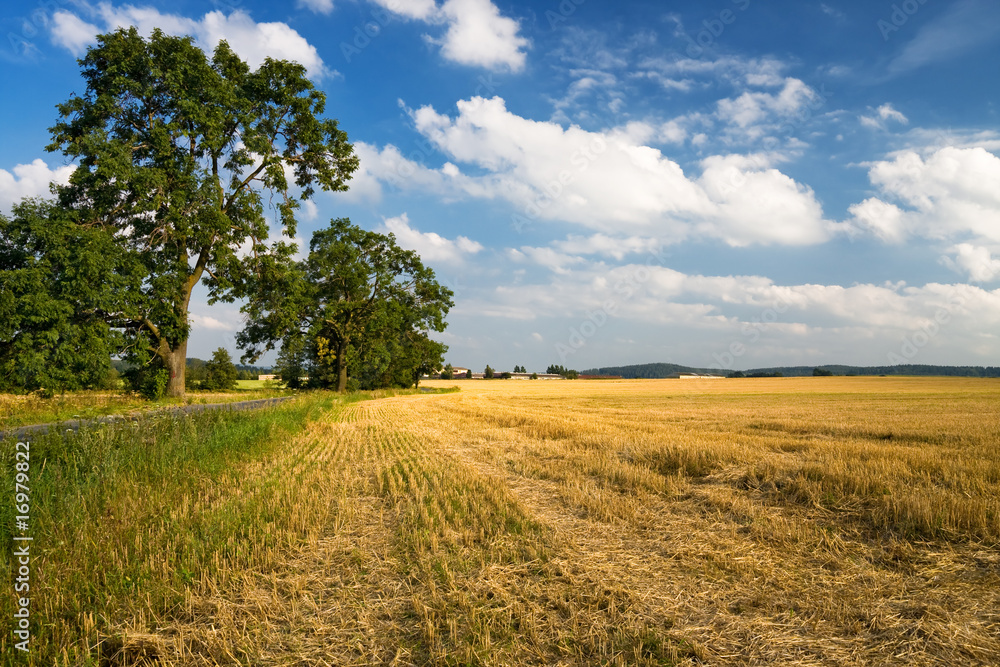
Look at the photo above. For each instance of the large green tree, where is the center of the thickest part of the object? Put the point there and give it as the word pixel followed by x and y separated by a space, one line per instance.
pixel 358 297
pixel 177 156
pixel 57 279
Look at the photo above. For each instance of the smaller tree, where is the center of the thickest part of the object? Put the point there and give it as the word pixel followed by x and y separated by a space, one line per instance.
pixel 220 373
pixel 358 299
pixel 488 373
pixel 468 374
pixel 505 375
pixel 534 376
pixel 448 373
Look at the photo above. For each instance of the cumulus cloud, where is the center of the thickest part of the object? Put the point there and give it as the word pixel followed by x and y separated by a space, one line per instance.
pixel 252 41
pixel 72 33
pixel 476 32
pixel 479 35
pixel 30 180
pixel 951 193
pixel 610 181
pixel 975 261
pixel 430 246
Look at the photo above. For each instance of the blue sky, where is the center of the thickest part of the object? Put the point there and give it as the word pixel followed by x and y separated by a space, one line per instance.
pixel 734 184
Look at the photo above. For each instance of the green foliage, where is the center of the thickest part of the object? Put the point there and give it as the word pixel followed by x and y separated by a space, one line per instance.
pixel 448 373
pixel 291 365
pixel 488 373
pixel 358 306
pixel 177 154
pixel 56 280
pixel 822 372
pixel 534 376
pixel 565 372
pixel 220 373
pixel 506 375
pixel 149 381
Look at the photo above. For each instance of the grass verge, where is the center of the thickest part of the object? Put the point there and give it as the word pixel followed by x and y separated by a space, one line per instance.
pixel 125 518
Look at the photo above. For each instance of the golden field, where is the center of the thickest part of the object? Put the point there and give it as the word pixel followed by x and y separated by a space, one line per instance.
pixel 794 521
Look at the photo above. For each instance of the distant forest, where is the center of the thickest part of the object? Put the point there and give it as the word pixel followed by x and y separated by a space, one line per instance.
pixel 661 370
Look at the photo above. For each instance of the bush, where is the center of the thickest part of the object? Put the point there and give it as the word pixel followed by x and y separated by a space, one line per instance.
pixel 220 373
pixel 150 381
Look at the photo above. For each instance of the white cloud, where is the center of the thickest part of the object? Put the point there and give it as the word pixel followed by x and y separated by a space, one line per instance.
pixel 479 35
pixel 476 32
pixel 975 261
pixel 758 204
pixel 951 193
pixel 883 114
pixel 430 246
pixel 389 166
pixel 881 219
pixel 72 33
pixel 753 114
pixel 208 322
pixel 30 180
pixel 252 41
pixel 759 72
pixel 422 10
pixel 549 258
pixel 608 246
pixel 877 322
pixel 612 182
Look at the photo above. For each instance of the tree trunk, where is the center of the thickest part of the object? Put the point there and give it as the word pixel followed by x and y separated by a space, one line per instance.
pixel 342 366
pixel 175 361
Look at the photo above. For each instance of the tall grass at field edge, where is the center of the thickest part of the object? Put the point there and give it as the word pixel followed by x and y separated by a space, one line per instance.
pixel 127 517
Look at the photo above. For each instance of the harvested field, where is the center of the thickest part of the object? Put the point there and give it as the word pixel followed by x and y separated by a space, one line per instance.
pixel 813 521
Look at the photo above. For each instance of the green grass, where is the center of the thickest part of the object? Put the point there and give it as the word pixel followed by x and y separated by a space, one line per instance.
pixel 127 518
pixel 24 410
pixel 124 517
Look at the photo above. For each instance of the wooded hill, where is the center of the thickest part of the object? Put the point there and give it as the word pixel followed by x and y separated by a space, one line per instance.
pixel 662 370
